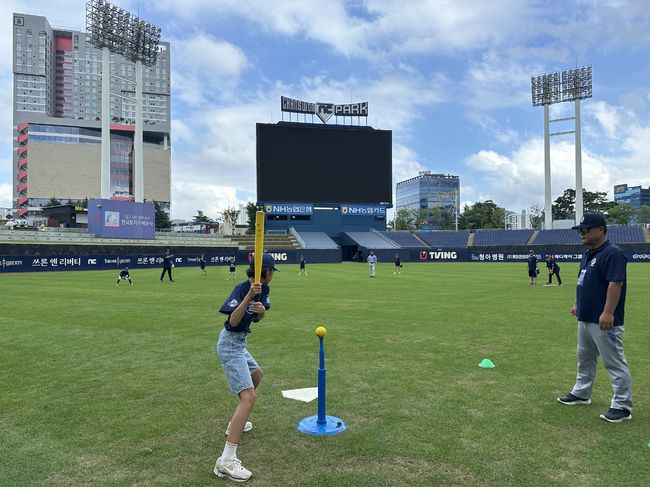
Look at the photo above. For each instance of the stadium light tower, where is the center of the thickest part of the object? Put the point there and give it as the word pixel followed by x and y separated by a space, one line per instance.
pixel 547 89
pixel 115 30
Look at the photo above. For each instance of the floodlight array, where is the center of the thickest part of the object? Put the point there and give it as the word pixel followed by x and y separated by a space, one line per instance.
pixel 123 33
pixel 568 85
pixel 576 84
pixel 545 89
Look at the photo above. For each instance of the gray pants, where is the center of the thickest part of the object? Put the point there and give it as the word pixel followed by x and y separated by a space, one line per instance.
pixel 592 341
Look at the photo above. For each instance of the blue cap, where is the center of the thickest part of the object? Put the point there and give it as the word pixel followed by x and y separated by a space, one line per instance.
pixel 267 262
pixel 591 220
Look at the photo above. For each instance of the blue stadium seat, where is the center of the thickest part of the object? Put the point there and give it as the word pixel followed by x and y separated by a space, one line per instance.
pixel 501 237
pixel 625 234
pixel 562 236
pixel 404 239
pixel 317 240
pixel 445 238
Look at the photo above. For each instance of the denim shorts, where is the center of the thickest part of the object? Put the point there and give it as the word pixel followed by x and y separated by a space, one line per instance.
pixel 237 363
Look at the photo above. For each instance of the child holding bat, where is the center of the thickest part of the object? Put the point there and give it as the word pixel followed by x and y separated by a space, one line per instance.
pixel 246 304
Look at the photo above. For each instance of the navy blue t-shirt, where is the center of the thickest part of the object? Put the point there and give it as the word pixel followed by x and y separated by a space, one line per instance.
pixel 302 264
pixel 553 266
pixel 532 263
pixel 398 262
pixel 236 297
pixel 598 268
pixel 232 268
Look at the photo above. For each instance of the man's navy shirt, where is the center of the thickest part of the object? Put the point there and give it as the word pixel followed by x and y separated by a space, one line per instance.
pixel 167 261
pixel 532 263
pixel 236 297
pixel 553 266
pixel 398 262
pixel 598 268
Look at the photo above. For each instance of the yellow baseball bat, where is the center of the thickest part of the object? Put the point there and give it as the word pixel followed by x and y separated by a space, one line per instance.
pixel 259 244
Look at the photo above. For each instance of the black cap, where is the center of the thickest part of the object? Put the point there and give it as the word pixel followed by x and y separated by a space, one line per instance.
pixel 591 220
pixel 267 262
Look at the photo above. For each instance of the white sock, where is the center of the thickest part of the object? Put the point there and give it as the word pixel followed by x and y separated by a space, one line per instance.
pixel 229 452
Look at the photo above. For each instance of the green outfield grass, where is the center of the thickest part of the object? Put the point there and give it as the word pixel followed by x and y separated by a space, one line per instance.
pixel 107 385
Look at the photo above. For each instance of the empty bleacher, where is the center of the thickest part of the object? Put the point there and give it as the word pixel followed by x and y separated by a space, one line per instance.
pixel 81 236
pixel 616 234
pixel 271 242
pixel 625 234
pixel 562 236
pixel 501 237
pixel 444 239
pixel 316 240
pixel 403 239
pixel 372 240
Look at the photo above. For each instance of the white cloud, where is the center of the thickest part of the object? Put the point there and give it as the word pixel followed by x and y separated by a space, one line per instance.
pixel 210 198
pixel 204 68
pixel 5 195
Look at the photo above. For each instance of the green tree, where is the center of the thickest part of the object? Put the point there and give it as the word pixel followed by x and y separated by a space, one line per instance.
pixel 405 219
pixel 52 202
pixel 643 215
pixel 447 218
pixel 251 209
pixel 621 214
pixel 162 217
pixel 230 217
pixel 564 205
pixel 536 213
pixel 201 218
pixel 427 217
pixel 482 215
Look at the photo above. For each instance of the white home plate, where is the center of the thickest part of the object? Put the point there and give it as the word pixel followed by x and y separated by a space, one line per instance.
pixel 306 394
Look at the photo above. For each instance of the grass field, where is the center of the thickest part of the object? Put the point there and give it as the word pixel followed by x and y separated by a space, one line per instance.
pixel 107 385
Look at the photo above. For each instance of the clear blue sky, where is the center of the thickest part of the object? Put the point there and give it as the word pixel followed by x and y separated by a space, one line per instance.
pixel 450 78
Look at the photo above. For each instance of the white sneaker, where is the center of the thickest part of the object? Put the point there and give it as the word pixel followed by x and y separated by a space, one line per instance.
pixel 247 427
pixel 233 470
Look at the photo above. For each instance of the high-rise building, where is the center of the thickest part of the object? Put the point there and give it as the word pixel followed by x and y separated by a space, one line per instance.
pixel 635 196
pixel 430 191
pixel 57 110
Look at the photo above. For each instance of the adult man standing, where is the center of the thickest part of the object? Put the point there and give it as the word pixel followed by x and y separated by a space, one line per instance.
pixel 532 268
pixel 599 308
pixel 168 263
pixel 372 260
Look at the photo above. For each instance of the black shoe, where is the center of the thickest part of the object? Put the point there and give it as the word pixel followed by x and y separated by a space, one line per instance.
pixel 616 415
pixel 571 400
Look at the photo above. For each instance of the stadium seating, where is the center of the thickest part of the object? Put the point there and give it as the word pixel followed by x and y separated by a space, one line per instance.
pixel 316 240
pixel 563 236
pixel 445 239
pixel 501 237
pixel 372 240
pixel 626 234
pixel 404 239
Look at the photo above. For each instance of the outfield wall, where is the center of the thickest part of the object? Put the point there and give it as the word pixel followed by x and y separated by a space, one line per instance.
pixel 58 257
pixel 46 257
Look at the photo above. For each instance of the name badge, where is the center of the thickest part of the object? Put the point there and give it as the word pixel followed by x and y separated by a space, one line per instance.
pixel 581 277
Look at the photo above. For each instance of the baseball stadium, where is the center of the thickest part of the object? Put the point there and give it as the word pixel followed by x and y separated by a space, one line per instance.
pixel 390 358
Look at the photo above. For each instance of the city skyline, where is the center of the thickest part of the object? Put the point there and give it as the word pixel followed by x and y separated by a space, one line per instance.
pixel 452 81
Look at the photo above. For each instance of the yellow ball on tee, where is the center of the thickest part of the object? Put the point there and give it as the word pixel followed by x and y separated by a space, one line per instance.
pixel 320 331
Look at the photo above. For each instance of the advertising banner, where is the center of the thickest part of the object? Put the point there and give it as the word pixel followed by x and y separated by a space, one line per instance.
pixel 289 208
pixel 121 219
pixel 363 210
pixel 104 262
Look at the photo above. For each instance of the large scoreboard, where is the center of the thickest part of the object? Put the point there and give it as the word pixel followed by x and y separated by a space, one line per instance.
pixel 309 163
